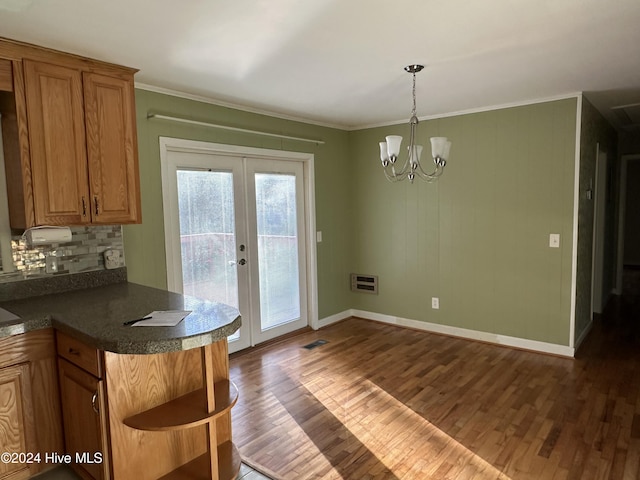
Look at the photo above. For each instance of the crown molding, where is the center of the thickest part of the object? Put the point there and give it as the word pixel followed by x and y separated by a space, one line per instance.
pixel 235 106
pixel 258 111
pixel 488 108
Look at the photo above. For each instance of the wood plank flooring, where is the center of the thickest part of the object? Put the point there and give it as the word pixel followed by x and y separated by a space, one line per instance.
pixel 383 402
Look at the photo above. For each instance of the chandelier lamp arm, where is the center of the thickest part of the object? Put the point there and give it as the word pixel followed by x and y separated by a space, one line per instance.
pixel 432 176
pixel 390 149
pixel 412 166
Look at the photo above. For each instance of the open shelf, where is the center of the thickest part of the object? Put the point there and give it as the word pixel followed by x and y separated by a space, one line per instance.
pixel 186 411
pixel 229 461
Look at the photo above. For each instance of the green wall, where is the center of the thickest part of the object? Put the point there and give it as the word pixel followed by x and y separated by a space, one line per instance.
pixel 479 238
pixel 144 244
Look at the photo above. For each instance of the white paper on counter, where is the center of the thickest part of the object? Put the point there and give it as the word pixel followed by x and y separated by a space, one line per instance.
pixel 7 316
pixel 164 318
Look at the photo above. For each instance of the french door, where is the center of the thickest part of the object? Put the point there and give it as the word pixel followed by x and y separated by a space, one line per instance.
pixel 236 231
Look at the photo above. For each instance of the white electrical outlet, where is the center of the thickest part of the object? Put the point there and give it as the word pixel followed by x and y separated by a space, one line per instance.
pixel 51 264
pixel 111 259
pixel 435 303
pixel 554 240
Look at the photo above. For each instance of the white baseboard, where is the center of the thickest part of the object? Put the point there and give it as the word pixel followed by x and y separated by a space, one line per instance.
pixel 497 339
pixel 324 322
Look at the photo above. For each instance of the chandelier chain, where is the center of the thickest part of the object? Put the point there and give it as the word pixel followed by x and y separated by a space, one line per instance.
pixel 413 112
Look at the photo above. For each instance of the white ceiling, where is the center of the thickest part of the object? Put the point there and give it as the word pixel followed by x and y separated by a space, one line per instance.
pixel 340 62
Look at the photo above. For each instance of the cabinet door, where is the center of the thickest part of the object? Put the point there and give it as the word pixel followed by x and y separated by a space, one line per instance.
pixel 16 419
pixel 112 149
pixel 55 116
pixel 84 418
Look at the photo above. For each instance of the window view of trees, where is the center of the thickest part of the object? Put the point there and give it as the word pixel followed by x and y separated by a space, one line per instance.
pixel 277 248
pixel 207 235
pixel 208 241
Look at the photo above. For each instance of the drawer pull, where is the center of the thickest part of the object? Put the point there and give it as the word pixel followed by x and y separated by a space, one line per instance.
pixel 94 402
pixel 73 351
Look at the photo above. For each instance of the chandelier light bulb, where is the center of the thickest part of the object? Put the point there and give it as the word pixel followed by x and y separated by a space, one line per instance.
pixel 393 146
pixel 414 155
pixel 384 154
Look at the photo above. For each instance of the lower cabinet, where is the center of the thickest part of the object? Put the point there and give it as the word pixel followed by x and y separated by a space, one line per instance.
pixel 84 421
pixel 16 421
pixel 30 424
pixel 164 416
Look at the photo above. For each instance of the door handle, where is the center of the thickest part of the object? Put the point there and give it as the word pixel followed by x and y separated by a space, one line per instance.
pixel 94 402
pixel 242 261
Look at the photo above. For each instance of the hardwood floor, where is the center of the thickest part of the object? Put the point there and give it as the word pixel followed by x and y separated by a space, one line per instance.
pixel 382 402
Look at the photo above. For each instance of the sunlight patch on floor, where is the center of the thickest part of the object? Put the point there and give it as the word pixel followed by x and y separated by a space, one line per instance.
pixel 285 430
pixel 386 426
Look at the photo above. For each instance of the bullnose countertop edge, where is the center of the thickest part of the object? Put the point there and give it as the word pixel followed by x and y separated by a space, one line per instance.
pixel 95 316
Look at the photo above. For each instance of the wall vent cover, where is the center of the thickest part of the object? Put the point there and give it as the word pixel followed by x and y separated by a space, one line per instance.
pixel 364 283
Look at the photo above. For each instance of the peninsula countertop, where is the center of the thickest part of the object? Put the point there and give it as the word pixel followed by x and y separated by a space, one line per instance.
pixel 95 317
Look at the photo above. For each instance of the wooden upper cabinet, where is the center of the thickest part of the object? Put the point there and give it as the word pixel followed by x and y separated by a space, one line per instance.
pixel 69 136
pixel 55 115
pixel 111 149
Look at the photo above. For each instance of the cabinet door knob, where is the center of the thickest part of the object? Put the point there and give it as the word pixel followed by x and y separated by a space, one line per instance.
pixel 94 402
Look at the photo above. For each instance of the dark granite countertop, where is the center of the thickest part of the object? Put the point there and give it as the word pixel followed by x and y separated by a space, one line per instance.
pixel 95 316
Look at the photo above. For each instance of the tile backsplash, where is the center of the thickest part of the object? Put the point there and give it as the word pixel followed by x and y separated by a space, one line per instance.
pixel 83 253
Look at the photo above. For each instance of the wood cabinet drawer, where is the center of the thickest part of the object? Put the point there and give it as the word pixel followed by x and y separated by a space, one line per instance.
pixel 85 357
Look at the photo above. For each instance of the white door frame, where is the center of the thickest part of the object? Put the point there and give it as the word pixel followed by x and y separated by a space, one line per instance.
pixel 599 233
pixel 192 146
pixel 622 211
pixel 293 170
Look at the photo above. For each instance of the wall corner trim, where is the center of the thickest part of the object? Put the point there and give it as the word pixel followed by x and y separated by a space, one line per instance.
pixel 574 240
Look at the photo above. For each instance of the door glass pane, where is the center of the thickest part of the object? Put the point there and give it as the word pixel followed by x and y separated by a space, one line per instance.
pixel 207 236
pixel 277 249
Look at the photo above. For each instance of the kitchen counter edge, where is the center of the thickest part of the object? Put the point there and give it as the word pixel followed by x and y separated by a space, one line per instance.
pixel 95 317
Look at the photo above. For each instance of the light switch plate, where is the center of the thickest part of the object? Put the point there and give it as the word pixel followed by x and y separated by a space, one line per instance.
pixel 554 240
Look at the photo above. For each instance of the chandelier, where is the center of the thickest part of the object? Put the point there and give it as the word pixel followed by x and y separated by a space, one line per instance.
pixel 390 150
